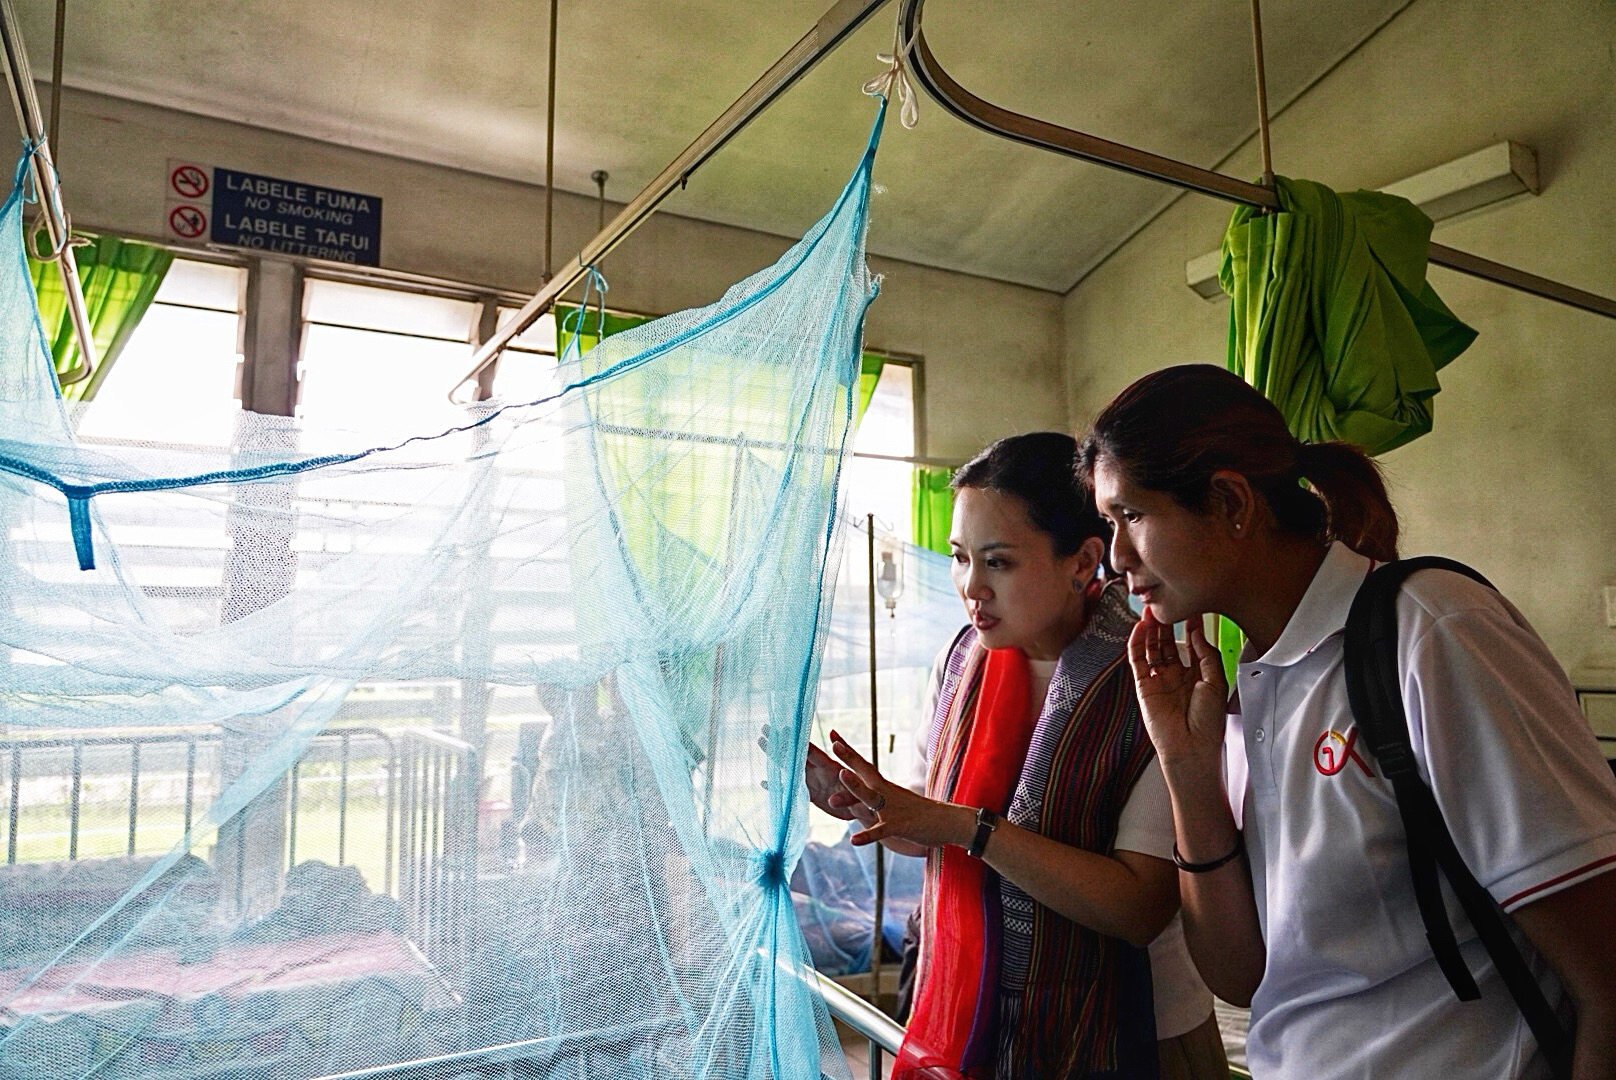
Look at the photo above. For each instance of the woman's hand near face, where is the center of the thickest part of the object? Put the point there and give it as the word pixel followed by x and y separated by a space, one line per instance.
pixel 1185 705
pixel 891 814
pixel 1185 708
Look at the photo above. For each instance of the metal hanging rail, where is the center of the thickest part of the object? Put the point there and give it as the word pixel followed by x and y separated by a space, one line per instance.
pixel 1026 129
pixel 50 192
pixel 842 19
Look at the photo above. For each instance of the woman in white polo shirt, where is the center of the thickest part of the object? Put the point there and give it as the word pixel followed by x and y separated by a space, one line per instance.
pixel 1293 866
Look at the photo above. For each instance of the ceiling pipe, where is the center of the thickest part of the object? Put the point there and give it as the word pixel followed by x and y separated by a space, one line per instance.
pixel 600 176
pixel 1026 129
pixel 833 27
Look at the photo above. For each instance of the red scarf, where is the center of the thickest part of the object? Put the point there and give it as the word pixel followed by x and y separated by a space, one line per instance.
pixel 951 1033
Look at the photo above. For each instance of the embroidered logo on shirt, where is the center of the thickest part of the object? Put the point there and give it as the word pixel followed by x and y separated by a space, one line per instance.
pixel 1333 750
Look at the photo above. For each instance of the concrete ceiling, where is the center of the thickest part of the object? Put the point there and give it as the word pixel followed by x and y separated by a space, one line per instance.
pixel 462 83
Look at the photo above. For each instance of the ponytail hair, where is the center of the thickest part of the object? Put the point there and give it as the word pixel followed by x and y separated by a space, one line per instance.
pixel 1171 430
pixel 1359 512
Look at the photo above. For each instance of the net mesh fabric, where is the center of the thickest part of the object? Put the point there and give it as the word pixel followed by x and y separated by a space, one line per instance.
pixel 434 756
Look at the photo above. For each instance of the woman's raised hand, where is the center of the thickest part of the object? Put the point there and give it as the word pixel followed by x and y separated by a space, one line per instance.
pixel 905 822
pixel 1185 705
pixel 821 773
pixel 824 776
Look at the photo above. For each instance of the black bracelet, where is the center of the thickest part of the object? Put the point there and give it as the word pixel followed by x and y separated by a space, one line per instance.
pixel 1203 867
pixel 986 822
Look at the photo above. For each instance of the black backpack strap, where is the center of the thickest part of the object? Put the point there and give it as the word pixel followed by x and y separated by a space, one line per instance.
pixel 1375 693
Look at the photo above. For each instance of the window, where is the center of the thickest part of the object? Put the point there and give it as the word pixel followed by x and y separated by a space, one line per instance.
pixel 518 375
pixel 381 358
pixel 875 485
pixel 175 379
pixel 375 355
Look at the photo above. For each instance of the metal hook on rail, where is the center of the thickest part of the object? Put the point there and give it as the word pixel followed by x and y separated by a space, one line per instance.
pixel 41 224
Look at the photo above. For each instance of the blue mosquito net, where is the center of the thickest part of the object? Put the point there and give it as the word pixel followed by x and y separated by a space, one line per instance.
pixel 436 759
pixel 834 884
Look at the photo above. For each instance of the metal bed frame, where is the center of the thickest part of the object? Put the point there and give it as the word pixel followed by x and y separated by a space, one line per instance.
pixel 429 785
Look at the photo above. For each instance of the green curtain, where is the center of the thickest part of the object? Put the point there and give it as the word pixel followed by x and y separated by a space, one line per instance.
pixel 1332 319
pixel 1230 642
pixel 653 489
pixel 870 366
pixel 588 331
pixel 674 496
pixel 933 507
pixel 932 501
pixel 588 326
pixel 120 278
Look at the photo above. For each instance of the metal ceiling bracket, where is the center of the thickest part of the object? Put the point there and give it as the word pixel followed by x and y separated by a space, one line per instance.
pixel 32 127
pixel 1033 132
pixel 840 20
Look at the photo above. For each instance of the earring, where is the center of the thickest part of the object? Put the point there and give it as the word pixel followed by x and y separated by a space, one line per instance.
pixel 1237 526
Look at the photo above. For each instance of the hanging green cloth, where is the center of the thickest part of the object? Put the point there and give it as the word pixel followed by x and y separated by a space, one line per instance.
pixel 119 278
pixel 934 508
pixel 1332 318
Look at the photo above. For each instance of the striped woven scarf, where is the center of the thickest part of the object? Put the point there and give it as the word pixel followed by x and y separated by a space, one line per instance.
pixel 1034 994
pixel 951 1033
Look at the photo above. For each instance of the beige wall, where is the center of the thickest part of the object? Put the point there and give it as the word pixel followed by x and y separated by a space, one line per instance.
pixel 1517 475
pixel 991 351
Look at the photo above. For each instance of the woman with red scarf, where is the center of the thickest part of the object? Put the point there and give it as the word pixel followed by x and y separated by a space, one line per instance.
pixel 1044 819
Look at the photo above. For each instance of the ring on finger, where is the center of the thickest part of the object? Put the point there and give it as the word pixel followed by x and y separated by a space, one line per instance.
pixel 879 802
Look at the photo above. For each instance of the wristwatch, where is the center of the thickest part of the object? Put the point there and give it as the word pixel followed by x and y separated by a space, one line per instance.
pixel 986 822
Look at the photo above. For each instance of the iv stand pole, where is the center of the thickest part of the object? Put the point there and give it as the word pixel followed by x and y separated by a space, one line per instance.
pixel 880 852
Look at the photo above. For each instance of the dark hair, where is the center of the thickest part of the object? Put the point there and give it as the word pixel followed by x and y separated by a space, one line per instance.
pixel 1171 430
pixel 1039 469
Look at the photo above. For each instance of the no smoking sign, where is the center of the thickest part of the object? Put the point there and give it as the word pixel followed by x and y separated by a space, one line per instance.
pixel 219 207
pixel 188 201
pixel 188 181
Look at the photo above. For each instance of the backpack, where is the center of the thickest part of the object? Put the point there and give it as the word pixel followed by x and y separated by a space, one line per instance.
pixel 1374 691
